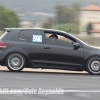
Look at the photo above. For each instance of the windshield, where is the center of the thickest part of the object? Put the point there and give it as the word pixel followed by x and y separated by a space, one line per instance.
pixel 76 38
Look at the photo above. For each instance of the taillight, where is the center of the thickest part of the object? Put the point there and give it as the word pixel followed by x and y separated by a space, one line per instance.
pixel 3 45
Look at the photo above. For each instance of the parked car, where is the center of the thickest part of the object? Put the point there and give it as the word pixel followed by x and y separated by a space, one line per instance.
pixel 47 49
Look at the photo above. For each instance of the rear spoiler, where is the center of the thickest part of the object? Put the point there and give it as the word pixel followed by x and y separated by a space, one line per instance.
pixel 8 29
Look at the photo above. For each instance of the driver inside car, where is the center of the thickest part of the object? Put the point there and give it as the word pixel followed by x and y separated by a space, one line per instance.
pixel 53 36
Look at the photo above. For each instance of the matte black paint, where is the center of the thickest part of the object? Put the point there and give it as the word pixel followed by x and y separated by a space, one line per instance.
pixel 42 55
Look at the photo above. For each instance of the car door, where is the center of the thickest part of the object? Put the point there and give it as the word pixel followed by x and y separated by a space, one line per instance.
pixel 61 52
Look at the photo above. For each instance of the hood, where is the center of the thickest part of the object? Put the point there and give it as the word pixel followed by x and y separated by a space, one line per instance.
pixel 94 47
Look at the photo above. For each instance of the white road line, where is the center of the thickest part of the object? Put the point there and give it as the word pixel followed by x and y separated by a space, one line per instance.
pixel 81 91
pixel 22 92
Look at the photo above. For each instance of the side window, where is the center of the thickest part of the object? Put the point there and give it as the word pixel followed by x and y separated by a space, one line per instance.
pixel 57 39
pixel 30 36
pixel 48 39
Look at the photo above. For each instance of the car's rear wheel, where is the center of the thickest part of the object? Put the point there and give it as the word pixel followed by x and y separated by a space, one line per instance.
pixel 93 66
pixel 15 62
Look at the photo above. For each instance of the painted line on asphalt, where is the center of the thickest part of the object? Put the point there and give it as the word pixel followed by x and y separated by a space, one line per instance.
pixel 81 91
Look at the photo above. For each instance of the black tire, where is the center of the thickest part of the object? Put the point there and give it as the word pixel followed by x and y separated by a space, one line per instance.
pixel 15 62
pixel 93 66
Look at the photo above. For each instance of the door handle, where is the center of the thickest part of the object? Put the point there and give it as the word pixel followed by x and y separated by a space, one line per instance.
pixel 47 48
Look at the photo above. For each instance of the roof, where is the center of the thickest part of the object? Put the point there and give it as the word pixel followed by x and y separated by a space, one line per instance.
pixel 91 7
pixel 97 22
pixel 95 31
pixel 42 29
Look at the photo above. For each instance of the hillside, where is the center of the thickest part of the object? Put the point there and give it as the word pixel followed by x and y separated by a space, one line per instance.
pixel 27 6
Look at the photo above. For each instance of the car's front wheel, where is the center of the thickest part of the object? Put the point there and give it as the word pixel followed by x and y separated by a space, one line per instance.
pixel 93 66
pixel 15 62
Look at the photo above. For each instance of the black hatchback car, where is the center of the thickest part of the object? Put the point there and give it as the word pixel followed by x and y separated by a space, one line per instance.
pixel 47 49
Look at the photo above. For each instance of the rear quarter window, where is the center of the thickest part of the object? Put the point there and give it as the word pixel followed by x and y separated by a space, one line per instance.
pixel 27 35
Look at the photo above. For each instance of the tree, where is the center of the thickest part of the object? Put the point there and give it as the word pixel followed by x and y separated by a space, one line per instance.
pixel 64 14
pixel 65 18
pixel 65 27
pixel 48 23
pixel 8 18
pixel 76 7
pixel 89 27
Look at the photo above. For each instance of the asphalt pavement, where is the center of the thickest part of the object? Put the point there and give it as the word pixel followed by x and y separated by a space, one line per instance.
pixel 76 86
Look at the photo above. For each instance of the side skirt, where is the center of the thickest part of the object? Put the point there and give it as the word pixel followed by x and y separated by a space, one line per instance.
pixel 55 66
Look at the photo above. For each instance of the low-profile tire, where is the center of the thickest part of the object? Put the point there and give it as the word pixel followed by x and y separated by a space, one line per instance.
pixel 15 62
pixel 93 66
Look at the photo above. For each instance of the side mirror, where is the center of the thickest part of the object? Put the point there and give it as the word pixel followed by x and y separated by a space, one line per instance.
pixel 76 45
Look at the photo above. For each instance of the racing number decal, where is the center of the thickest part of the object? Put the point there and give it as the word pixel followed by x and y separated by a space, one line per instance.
pixel 37 38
